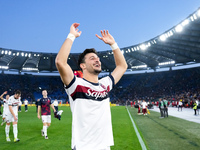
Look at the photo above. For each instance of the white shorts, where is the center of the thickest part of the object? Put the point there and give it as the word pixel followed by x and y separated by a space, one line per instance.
pixel 10 118
pixel 46 118
pixel 4 115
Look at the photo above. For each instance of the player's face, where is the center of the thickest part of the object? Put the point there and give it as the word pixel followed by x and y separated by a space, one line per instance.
pixel 44 93
pixel 92 63
pixel 17 96
pixel 7 97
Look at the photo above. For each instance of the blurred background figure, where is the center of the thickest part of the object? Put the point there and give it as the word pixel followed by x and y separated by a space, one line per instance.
pixel 55 103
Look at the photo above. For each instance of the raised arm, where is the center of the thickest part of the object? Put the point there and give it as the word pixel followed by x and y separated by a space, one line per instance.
pixel 39 110
pixel 120 61
pixel 1 97
pixel 64 69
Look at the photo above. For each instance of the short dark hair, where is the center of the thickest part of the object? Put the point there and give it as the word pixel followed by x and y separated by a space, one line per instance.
pixel 18 92
pixel 81 58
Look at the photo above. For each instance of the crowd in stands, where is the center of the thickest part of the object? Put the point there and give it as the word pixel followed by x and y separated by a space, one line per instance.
pixel 173 85
pixel 32 86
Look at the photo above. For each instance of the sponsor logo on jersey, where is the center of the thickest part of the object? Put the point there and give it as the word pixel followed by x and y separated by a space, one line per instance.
pixel 87 93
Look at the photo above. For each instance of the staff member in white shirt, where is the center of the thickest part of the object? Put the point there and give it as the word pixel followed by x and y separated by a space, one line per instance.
pixel 55 103
pixel 26 105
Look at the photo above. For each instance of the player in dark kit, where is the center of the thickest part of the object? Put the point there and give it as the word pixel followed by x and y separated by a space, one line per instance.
pixel 44 106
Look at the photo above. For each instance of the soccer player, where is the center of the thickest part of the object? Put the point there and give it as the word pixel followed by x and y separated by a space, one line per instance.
pixel 26 105
pixel 5 107
pixel 44 107
pixel 144 107
pixel 88 96
pixel 13 103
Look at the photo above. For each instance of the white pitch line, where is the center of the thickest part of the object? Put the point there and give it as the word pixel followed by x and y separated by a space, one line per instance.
pixel 137 133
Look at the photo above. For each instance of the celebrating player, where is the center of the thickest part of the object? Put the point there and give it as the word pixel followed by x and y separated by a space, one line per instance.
pixel 5 107
pixel 89 101
pixel 44 106
pixel 12 116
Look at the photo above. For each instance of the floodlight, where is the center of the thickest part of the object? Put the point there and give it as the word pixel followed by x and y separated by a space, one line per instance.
pixel 198 13
pixel 132 49
pixel 179 28
pixel 192 18
pixel 143 47
pixel 163 37
pixel 185 22
pixel 195 17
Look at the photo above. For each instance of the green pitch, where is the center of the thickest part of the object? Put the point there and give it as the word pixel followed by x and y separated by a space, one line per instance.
pixel 158 134
pixel 168 133
pixel 59 133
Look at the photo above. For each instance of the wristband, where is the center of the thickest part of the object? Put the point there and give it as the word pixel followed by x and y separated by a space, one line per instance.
pixel 114 46
pixel 71 37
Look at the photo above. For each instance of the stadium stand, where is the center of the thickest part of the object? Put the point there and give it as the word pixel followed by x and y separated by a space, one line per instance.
pixel 150 86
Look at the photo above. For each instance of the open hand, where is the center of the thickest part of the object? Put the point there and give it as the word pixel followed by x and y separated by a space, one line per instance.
pixel 74 29
pixel 106 37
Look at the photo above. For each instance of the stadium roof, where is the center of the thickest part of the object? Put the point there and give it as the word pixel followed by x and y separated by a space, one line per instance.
pixel 179 45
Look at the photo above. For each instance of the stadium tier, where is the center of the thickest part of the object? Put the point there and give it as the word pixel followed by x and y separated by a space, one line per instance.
pixel 150 86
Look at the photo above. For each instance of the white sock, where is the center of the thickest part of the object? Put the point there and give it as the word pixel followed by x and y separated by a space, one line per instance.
pixel 15 131
pixel 45 130
pixel 7 129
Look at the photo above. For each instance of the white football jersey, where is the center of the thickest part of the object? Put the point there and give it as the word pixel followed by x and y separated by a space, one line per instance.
pixel 25 102
pixel 14 103
pixel 144 105
pixel 91 116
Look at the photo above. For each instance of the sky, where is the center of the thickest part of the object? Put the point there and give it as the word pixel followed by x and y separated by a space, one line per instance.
pixel 43 25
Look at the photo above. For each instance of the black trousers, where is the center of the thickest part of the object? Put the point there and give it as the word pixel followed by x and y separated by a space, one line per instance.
pixel 162 112
pixel 195 112
pixel 19 108
pixel 56 108
pixel 165 111
pixel 179 106
pixel 26 107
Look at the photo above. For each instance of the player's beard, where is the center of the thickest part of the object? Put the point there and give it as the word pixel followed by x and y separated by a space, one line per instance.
pixel 96 72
